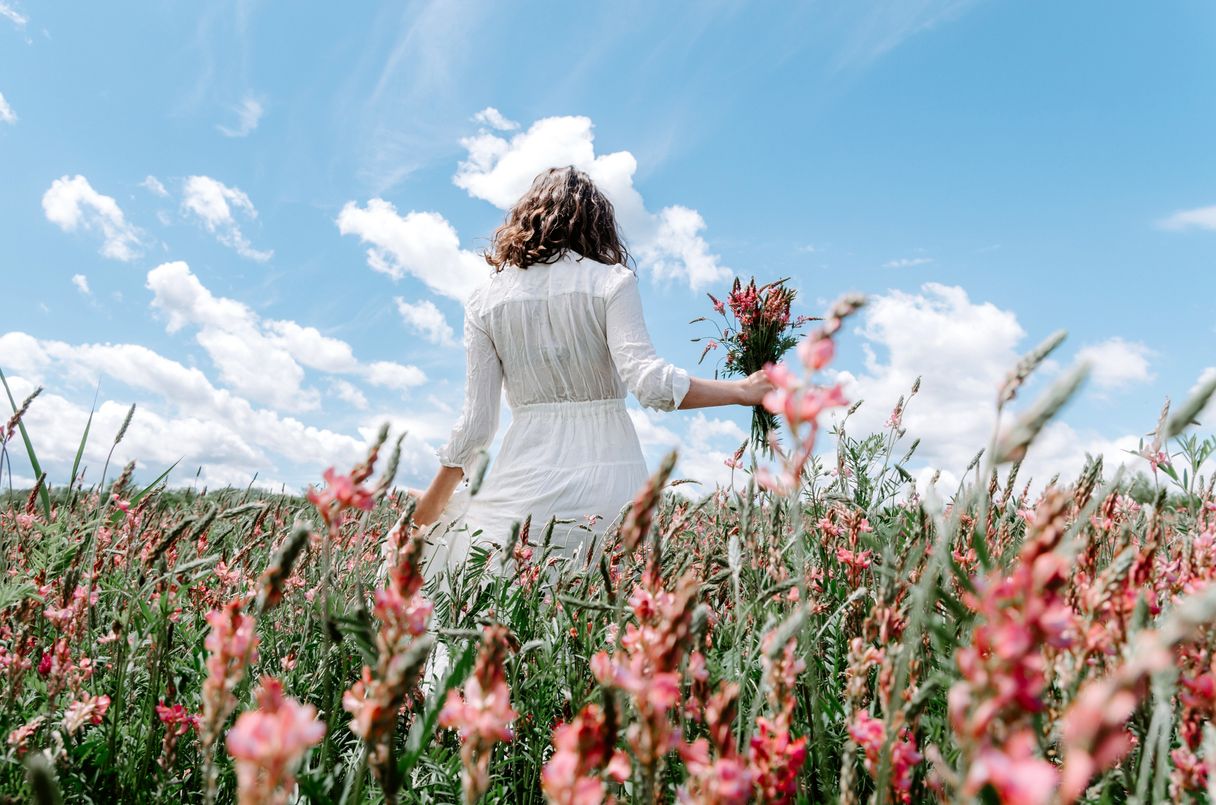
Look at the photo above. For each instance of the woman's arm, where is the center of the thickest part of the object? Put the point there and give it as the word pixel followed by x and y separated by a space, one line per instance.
pixel 708 393
pixel 478 418
pixel 432 502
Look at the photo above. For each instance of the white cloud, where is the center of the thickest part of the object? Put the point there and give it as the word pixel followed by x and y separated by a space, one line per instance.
pixel 703 449
pixel 182 415
pixel 212 202
pixel 907 262
pixel 394 375
pixel 154 186
pixel 13 15
pixel 264 359
pixel 349 393
pixel 249 114
pixel 962 351
pixel 314 350
pixel 669 242
pixel 1117 363
pixel 494 119
pixel 72 203
pixel 7 115
pixel 425 318
pixel 1198 218
pixel 421 244
pixel 82 284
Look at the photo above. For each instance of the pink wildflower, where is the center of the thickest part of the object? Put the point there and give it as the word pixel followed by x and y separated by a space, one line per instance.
pixel 483 715
pixel 816 353
pixel 580 749
pixel 89 710
pixel 268 743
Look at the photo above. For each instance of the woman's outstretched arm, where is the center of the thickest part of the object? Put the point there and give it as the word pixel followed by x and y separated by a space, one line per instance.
pixel 709 393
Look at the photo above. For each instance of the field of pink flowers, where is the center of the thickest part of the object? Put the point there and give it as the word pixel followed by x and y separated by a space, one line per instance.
pixel 823 635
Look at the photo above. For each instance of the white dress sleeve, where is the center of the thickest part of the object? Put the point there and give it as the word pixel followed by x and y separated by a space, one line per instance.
pixel 655 382
pixel 482 397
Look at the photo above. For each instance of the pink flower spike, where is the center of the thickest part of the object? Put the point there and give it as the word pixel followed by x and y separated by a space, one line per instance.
pixel 269 742
pixel 816 353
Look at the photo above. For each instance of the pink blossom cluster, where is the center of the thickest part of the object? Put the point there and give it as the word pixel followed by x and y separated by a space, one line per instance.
pixel 482 713
pixel 584 749
pixel 1004 670
pixel 268 743
pixel 871 735
pixel 646 666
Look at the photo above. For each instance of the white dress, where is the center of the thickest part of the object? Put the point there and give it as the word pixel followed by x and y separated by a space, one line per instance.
pixel 567 340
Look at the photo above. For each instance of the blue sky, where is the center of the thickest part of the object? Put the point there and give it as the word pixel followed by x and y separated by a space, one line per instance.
pixel 986 171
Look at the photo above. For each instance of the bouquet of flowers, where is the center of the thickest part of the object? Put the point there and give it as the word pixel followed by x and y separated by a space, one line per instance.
pixel 758 331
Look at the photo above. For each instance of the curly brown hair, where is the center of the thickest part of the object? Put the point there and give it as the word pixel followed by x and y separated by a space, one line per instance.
pixel 563 211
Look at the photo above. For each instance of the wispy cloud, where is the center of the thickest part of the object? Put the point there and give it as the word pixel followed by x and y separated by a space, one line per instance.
pixel 13 15
pixel 154 186
pixel 907 262
pixel 1198 218
pixel 82 284
pixel 882 26
pixel 212 203
pixel 249 113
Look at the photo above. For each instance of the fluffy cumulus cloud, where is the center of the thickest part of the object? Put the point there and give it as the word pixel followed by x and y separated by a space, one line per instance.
pixel 706 444
pixel 420 244
pixel 72 204
pixel 182 414
pixel 215 205
pixel 248 114
pixel 185 416
pixel 669 242
pixel 424 318
pixel 263 359
pixel 1198 218
pixel 962 351
pixel 1117 363
pixel 82 284
pixel 7 115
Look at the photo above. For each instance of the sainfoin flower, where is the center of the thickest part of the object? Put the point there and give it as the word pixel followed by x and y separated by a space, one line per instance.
pixel 401 652
pixel 268 743
pixel 581 749
pixel 871 734
pixel 482 714
pixel 88 710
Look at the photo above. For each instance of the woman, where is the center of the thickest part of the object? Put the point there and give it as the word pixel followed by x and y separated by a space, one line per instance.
pixel 560 325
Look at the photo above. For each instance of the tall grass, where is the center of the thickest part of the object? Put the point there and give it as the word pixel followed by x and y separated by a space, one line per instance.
pixel 842 639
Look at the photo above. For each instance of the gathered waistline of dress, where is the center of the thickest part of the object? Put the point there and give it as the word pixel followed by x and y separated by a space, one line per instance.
pixel 574 407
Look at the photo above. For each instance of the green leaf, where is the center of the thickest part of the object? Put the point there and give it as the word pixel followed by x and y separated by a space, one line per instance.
pixel 84 438
pixel 43 494
pixel 424 728
pixel 144 492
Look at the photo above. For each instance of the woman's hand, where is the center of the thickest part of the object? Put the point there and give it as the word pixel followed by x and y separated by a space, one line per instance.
pixel 754 387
